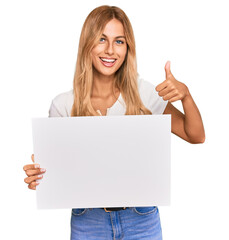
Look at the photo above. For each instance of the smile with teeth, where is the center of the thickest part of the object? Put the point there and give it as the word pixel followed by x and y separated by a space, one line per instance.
pixel 108 62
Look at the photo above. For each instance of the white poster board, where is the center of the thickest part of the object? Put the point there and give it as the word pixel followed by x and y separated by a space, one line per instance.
pixel 107 161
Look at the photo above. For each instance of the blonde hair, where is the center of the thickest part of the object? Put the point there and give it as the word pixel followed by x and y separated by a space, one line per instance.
pixel 126 75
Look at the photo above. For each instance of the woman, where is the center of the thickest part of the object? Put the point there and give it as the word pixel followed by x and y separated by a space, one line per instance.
pixel 106 83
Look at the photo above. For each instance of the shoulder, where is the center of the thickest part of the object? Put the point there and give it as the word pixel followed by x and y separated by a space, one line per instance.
pixel 150 97
pixel 62 104
pixel 146 87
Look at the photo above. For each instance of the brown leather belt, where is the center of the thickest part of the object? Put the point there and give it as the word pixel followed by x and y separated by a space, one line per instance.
pixel 113 209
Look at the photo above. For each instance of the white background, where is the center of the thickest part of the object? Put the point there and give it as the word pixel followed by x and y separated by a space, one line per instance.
pixel 38 50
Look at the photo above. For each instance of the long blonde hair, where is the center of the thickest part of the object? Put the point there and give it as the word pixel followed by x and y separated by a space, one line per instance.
pixel 125 77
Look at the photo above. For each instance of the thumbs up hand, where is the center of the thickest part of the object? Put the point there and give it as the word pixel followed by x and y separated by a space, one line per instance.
pixel 171 89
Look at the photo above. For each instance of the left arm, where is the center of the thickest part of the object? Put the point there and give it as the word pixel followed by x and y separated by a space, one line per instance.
pixel 188 126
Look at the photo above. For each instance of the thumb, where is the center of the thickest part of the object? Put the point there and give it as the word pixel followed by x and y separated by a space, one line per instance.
pixel 32 157
pixel 167 69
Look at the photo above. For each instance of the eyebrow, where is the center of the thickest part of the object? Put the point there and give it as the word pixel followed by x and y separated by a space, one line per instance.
pixel 115 37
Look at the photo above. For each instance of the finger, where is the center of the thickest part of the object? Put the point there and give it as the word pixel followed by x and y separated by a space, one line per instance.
pixel 161 86
pixel 31 166
pixel 174 99
pixel 33 185
pixel 32 157
pixel 33 172
pixel 167 69
pixel 28 180
pixel 165 91
pixel 170 95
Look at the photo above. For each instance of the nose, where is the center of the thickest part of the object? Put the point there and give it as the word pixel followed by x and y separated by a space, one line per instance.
pixel 109 49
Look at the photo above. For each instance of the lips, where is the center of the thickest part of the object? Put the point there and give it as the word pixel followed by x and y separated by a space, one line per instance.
pixel 108 62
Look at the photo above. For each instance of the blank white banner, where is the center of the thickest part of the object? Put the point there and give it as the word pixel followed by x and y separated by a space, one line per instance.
pixel 107 161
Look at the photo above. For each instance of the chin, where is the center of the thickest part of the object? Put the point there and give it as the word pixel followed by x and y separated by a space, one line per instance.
pixel 108 73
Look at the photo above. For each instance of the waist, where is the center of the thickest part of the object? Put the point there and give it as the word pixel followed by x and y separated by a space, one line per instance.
pixel 113 209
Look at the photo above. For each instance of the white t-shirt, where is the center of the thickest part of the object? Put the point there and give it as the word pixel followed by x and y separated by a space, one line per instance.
pixel 62 104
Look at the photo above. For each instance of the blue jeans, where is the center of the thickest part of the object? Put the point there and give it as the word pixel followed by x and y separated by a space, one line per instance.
pixel 133 223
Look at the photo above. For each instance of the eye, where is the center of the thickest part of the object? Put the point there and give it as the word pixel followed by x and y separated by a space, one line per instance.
pixel 102 40
pixel 119 42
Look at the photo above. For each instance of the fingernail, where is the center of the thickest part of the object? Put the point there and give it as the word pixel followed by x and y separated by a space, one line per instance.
pixel 37 166
pixel 42 169
pixel 40 176
pixel 37 183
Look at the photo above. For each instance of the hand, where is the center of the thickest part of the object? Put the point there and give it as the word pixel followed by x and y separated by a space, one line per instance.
pixel 34 173
pixel 171 89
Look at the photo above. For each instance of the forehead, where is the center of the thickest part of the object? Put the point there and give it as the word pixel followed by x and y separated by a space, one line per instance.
pixel 114 28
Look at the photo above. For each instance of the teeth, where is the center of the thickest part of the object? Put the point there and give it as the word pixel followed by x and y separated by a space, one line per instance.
pixel 108 60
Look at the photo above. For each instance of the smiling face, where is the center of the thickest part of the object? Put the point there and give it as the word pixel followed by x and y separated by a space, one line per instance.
pixel 109 54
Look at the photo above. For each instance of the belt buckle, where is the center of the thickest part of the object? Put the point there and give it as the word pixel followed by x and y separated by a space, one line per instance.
pixel 111 211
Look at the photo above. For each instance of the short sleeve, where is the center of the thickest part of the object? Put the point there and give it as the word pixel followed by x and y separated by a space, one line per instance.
pixel 61 105
pixel 150 97
pixel 53 111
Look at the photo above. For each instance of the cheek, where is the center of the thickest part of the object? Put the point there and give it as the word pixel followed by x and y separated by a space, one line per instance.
pixel 122 53
pixel 94 54
pixel 97 50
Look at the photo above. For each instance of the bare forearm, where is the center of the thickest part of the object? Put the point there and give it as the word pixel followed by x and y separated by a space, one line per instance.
pixel 193 124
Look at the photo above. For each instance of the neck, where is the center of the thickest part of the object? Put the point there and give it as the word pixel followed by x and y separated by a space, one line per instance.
pixel 102 85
